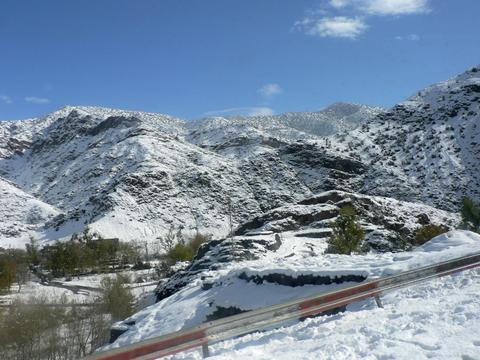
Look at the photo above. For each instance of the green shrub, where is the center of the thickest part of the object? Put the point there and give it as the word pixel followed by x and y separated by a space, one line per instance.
pixel 117 300
pixel 347 234
pixel 428 232
pixel 470 215
pixel 180 252
pixel 185 251
pixel 82 253
pixel 197 241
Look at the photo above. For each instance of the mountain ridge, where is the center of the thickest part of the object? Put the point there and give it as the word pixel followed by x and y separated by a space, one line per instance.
pixel 134 175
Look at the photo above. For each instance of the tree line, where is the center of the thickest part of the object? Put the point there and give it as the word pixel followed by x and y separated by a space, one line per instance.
pixel 88 253
pixel 83 253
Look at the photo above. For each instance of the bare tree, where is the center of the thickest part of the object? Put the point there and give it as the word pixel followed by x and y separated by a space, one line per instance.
pixel 167 242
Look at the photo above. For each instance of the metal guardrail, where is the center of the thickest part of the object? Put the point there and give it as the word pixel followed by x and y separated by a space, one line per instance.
pixel 255 320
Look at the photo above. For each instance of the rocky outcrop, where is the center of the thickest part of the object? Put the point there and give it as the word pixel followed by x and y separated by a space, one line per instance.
pixel 390 225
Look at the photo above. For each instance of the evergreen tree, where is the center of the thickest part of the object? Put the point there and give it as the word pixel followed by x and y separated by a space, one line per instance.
pixel 471 215
pixel 347 233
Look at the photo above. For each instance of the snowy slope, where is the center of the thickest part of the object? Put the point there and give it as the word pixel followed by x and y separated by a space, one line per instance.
pixel 426 149
pixel 134 175
pixel 127 176
pixel 436 320
pixel 249 284
pixel 294 233
pixel 22 216
pixel 220 133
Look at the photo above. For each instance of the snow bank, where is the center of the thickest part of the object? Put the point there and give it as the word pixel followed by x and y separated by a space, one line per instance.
pixel 436 320
pixel 226 289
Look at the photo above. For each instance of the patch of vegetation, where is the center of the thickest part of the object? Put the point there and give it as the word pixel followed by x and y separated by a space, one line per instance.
pixel 428 232
pixel 117 300
pixel 13 268
pixel 347 234
pixel 178 249
pixel 84 253
pixel 33 329
pixel 470 215
pixel 185 250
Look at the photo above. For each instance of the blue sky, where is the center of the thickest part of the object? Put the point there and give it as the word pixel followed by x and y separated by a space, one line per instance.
pixel 204 57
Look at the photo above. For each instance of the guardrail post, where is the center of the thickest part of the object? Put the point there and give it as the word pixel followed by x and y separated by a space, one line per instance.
pixel 378 301
pixel 205 351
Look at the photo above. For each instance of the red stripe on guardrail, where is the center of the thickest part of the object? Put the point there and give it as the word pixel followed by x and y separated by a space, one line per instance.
pixel 371 285
pixel 161 345
pixel 317 310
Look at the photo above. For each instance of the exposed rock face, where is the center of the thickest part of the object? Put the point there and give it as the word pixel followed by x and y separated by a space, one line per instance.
pixel 301 280
pixel 213 255
pixel 390 224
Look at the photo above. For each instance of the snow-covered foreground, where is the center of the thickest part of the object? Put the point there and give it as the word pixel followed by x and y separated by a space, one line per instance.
pixel 415 319
pixel 436 320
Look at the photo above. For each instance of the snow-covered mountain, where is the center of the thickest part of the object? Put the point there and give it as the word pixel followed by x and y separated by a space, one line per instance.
pixel 134 175
pixel 425 149
pixel 219 132
pixel 277 181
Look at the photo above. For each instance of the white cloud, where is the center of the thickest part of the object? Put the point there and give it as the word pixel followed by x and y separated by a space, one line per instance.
pixel 338 26
pixel 394 7
pixel 269 90
pixel 242 111
pixel 318 23
pixel 6 99
pixel 384 7
pixel 338 4
pixel 410 37
pixel 37 100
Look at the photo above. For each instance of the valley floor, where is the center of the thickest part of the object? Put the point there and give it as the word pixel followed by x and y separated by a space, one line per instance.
pixel 83 289
pixel 435 320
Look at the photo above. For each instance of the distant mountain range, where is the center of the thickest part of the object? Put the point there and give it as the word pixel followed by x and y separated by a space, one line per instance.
pixel 134 175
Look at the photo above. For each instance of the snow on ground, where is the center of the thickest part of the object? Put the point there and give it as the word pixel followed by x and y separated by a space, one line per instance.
pixel 22 216
pixel 85 289
pixel 214 290
pixel 436 320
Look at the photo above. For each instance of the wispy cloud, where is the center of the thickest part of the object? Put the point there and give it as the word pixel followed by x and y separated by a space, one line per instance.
pixel 338 4
pixel 394 7
pixel 269 90
pixel 384 7
pixel 36 100
pixel 351 16
pixel 242 111
pixel 6 99
pixel 337 27
pixel 409 37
